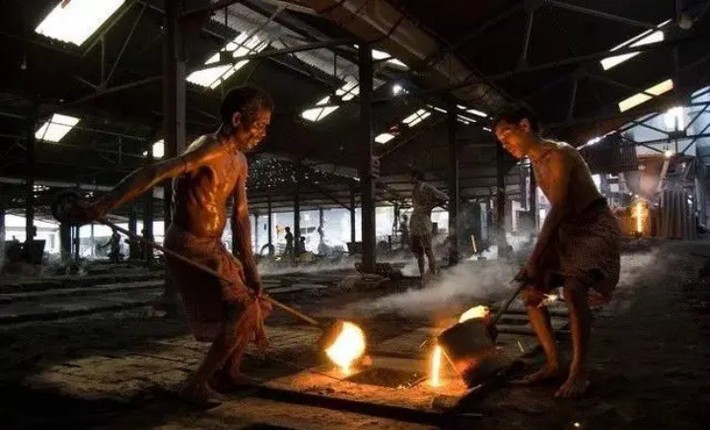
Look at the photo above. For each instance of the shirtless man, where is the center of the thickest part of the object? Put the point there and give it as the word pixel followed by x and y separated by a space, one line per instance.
pixel 213 169
pixel 425 197
pixel 578 245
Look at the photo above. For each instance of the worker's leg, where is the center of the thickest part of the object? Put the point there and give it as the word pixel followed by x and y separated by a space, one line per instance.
pixel 580 319
pixel 540 322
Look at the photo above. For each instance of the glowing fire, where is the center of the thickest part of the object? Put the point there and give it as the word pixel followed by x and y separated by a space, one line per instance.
pixel 638 212
pixel 348 347
pixel 475 312
pixel 435 377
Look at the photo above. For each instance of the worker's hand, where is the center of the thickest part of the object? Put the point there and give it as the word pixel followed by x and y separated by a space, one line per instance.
pixel 528 272
pixel 254 285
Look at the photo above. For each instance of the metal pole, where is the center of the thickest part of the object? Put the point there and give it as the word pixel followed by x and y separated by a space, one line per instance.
pixel 533 197
pixel 367 183
pixel 133 229
pixel 30 184
pixel 500 202
pixel 148 215
pixel 454 185
pixel 352 214
pixel 256 232
pixel 173 95
pixel 271 239
pixel 297 211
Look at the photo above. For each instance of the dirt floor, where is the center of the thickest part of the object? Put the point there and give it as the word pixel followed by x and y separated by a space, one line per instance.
pixel 649 363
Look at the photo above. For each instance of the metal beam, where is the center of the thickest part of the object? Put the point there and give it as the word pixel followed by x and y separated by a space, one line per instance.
pixel 628 87
pixel 30 181
pixel 105 81
pixel 367 182
pixel 454 191
pixel 600 14
pixel 696 137
pixel 285 51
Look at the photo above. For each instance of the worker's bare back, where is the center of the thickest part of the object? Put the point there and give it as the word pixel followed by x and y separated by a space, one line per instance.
pixel 563 165
pixel 200 196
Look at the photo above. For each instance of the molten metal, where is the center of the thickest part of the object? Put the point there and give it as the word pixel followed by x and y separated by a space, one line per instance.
pixel 347 347
pixel 475 312
pixel 435 377
pixel 639 217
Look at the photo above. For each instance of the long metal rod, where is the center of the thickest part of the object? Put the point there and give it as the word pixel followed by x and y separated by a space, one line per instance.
pixel 203 268
pixel 599 14
pixel 115 89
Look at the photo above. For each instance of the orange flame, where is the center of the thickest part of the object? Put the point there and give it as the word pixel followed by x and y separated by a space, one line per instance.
pixel 348 347
pixel 435 377
pixel 474 312
pixel 639 217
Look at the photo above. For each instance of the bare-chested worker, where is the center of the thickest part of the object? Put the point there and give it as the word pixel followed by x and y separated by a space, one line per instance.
pixel 425 197
pixel 213 169
pixel 577 248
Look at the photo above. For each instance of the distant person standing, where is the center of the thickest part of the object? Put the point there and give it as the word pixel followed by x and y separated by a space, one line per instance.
pixel 425 198
pixel 404 230
pixel 289 243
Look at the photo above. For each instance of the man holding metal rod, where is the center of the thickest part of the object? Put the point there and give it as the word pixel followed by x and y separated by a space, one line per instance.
pixel 213 169
pixel 578 246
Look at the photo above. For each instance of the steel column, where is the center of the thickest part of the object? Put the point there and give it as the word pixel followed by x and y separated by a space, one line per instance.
pixel 367 182
pixel 271 238
pixel 500 202
pixel 352 213
pixel 533 197
pixel 30 182
pixel 454 185
pixel 133 228
pixel 148 215
pixel 173 95
pixel 256 232
pixel 297 209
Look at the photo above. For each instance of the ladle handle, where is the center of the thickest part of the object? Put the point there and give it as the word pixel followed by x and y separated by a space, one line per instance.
pixel 503 309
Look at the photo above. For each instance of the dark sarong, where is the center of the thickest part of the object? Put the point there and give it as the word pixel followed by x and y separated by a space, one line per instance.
pixel 587 249
pixel 207 300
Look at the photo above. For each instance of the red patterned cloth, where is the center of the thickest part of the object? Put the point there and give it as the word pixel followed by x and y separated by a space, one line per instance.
pixel 587 248
pixel 206 299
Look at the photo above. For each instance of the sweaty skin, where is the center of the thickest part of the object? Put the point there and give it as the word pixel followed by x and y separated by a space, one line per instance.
pixel 567 183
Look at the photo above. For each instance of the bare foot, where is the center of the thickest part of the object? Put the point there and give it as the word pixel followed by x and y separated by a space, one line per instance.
pixel 200 395
pixel 574 386
pixel 548 372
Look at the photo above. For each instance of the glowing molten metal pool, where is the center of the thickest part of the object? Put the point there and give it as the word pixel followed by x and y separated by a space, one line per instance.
pixel 347 347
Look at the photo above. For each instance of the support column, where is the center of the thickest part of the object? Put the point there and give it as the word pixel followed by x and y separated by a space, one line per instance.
pixel 148 216
pixel 65 236
pixel 296 213
pixel 76 242
pixel 454 185
pixel 173 95
pixel 367 182
pixel 500 203
pixel 256 232
pixel 93 241
pixel 133 229
pixel 2 229
pixel 352 214
pixel 30 230
pixel 270 226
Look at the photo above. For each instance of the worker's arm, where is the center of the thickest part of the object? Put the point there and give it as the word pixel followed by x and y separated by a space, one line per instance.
pixel 559 165
pixel 243 229
pixel 147 177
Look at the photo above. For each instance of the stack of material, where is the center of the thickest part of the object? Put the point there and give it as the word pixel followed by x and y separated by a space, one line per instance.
pixel 675 219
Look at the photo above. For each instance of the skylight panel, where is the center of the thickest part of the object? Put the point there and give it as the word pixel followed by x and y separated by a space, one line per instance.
pixel 213 77
pixel 346 92
pixel 645 38
pixel 416 117
pixel 76 20
pixel 384 137
pixel 378 55
pixel 639 98
pixel 56 128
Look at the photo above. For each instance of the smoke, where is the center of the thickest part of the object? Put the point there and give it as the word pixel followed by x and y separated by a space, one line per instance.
pixel 472 283
pixel 467 282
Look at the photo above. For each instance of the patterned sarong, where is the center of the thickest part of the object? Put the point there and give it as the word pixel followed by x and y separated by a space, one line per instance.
pixel 586 248
pixel 206 299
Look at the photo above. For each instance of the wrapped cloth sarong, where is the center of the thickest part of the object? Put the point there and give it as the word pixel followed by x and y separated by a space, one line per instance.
pixel 207 300
pixel 425 197
pixel 587 249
